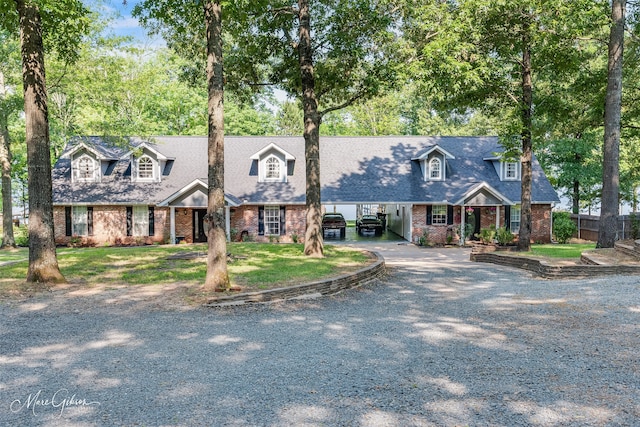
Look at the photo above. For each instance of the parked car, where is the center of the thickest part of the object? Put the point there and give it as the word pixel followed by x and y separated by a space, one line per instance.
pixel 369 223
pixel 334 222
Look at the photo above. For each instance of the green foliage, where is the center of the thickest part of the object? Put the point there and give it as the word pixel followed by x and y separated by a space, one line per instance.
pixel 487 235
pixel 21 236
pixel 504 236
pixel 563 227
pixel 635 226
pixel 423 240
pixel 562 251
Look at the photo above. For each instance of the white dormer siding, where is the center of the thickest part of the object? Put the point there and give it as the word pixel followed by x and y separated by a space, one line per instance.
pixel 85 168
pixel 433 163
pixel 273 163
pixel 146 168
pixel 510 171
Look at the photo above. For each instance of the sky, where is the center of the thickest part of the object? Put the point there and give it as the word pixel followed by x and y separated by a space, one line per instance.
pixel 126 25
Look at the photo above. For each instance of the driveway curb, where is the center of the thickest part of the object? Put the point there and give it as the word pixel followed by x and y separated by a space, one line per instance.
pixel 306 290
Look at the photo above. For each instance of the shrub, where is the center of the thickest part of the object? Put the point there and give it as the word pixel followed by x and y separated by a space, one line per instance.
pixel 21 236
pixel 424 239
pixel 635 226
pixel 563 227
pixel 487 235
pixel 504 236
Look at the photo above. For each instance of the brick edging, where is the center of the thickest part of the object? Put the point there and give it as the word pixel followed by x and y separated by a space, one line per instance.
pixel 547 271
pixel 317 288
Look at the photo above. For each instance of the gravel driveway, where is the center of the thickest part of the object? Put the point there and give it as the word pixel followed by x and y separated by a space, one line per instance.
pixel 440 341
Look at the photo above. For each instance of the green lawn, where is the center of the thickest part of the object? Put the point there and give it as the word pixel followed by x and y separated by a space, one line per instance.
pixel 561 251
pixel 253 266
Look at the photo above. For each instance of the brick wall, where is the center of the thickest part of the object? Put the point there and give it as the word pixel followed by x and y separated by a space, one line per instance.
pixel 184 224
pixel 245 219
pixel 541 223
pixel 110 227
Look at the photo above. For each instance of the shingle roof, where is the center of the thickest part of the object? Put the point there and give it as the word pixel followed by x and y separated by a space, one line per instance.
pixel 353 170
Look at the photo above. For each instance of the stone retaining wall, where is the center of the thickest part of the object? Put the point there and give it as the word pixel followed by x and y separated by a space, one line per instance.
pixel 305 290
pixel 542 269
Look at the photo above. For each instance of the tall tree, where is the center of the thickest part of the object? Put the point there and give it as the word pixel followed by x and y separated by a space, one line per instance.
pixel 327 54
pixel 608 228
pixel 8 241
pixel 65 21
pixel 43 263
pixel 194 30
pixel 313 235
pixel 217 275
pixel 487 54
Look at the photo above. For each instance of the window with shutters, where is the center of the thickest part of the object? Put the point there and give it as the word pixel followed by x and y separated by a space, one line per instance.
pixel 272 220
pixel 140 221
pixel 439 215
pixel 514 219
pixel 79 221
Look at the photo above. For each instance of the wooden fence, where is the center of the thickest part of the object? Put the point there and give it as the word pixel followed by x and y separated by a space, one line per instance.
pixel 588 226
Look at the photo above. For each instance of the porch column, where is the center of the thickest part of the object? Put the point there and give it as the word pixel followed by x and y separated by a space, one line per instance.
pixel 172 222
pixel 463 215
pixel 227 222
pixel 497 216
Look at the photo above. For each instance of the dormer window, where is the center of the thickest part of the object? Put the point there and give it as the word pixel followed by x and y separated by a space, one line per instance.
pixel 145 168
pixel 435 169
pixel 272 169
pixel 84 169
pixel 511 171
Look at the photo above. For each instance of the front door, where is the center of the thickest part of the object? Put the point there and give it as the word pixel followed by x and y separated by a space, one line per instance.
pixel 199 232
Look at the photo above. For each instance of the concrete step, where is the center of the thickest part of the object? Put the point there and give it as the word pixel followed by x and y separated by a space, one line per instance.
pixel 632 250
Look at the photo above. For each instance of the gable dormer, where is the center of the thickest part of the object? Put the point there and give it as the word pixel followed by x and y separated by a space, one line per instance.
pixel 89 164
pixel 273 163
pixel 433 163
pixel 148 164
pixel 507 169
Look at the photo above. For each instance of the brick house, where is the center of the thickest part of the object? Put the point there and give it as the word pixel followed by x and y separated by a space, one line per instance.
pixel 154 190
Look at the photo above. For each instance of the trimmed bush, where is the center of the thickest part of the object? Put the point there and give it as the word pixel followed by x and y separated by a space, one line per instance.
pixel 563 226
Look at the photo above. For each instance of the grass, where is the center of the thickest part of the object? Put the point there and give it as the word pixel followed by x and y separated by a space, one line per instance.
pixel 562 250
pixel 253 266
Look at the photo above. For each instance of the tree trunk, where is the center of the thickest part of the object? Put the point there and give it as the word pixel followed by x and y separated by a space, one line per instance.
pixel 313 241
pixel 43 263
pixel 217 276
pixel 8 240
pixel 524 238
pixel 576 197
pixel 608 228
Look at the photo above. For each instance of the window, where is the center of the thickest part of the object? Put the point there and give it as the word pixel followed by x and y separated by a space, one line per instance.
pixel 514 219
pixel 439 215
pixel 511 170
pixel 272 166
pixel 78 220
pixel 271 220
pixel 84 169
pixel 140 221
pixel 145 168
pixel 435 170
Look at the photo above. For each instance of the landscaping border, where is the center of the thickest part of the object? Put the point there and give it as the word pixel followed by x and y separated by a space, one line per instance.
pixel 548 271
pixel 306 290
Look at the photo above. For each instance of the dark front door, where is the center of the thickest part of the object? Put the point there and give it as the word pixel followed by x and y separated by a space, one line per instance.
pixel 199 232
